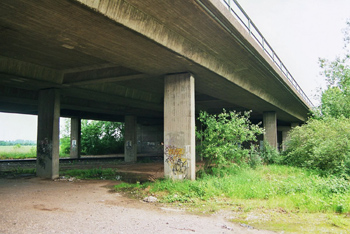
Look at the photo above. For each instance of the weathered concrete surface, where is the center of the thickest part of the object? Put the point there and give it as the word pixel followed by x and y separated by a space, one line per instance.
pixel 75 138
pixel 130 138
pixel 110 57
pixel 48 134
pixel 270 125
pixel 150 139
pixel 179 127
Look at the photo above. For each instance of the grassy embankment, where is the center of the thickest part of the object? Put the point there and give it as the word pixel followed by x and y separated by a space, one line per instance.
pixel 278 198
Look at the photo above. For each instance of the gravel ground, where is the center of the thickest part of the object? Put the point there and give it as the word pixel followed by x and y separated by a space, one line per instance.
pixel 33 205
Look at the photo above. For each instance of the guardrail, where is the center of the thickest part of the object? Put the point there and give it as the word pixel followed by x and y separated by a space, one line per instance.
pixel 235 8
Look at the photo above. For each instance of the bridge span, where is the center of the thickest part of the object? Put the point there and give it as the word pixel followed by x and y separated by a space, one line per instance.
pixel 145 63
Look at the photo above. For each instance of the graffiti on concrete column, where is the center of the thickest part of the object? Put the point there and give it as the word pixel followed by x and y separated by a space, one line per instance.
pixel 177 160
pixel 44 151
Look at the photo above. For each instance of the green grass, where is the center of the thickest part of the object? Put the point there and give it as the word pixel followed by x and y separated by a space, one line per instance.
pixel 274 191
pixel 23 152
pixel 13 152
pixel 95 173
pixel 92 174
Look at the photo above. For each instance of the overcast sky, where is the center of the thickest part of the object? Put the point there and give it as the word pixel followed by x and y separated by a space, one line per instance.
pixel 300 32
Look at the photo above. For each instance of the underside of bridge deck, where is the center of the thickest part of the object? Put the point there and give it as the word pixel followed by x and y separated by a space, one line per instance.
pixel 109 58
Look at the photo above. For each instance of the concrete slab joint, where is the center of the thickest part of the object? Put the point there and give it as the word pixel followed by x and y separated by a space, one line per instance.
pixel 47 165
pixel 179 127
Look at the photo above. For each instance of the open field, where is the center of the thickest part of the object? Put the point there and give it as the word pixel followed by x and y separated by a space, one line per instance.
pixel 22 152
pixel 14 152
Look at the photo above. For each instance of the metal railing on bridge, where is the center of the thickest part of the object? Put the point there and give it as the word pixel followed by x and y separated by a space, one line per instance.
pixel 235 8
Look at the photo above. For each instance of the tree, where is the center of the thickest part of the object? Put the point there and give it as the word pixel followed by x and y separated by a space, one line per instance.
pixel 335 100
pixel 226 139
pixel 102 137
pixel 97 137
pixel 323 143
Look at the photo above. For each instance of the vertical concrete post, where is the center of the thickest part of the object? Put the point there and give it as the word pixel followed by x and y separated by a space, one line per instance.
pixel 270 125
pixel 179 127
pixel 130 139
pixel 285 134
pixel 47 163
pixel 75 139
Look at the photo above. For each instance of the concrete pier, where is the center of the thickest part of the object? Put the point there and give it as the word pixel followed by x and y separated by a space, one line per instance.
pixel 270 125
pixel 75 138
pixel 48 134
pixel 179 127
pixel 130 137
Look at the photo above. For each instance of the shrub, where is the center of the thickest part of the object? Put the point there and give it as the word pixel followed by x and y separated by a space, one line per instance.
pixel 101 137
pixel 269 155
pixel 64 145
pixel 226 138
pixel 322 144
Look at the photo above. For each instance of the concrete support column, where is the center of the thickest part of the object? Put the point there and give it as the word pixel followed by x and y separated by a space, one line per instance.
pixel 270 125
pixel 179 127
pixel 75 139
pixel 285 134
pixel 47 163
pixel 130 137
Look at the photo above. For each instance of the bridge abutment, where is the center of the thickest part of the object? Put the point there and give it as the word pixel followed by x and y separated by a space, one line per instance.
pixel 179 127
pixel 47 165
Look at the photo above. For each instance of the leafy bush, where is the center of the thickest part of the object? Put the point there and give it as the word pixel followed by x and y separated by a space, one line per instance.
pixel 322 144
pixel 97 137
pixel 269 155
pixel 101 137
pixel 64 145
pixel 226 138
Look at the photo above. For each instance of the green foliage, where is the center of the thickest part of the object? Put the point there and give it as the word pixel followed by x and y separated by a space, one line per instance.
pixel 101 137
pixel 336 98
pixel 64 145
pixel 23 171
pixel 269 155
pixel 21 142
pixel 9 152
pixel 226 138
pixel 17 146
pixel 322 144
pixel 97 138
pixel 272 187
pixel 95 173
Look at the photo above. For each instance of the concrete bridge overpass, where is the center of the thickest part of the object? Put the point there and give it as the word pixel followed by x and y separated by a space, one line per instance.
pixel 143 62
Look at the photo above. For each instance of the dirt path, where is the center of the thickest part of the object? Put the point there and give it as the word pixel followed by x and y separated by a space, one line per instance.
pixel 43 206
